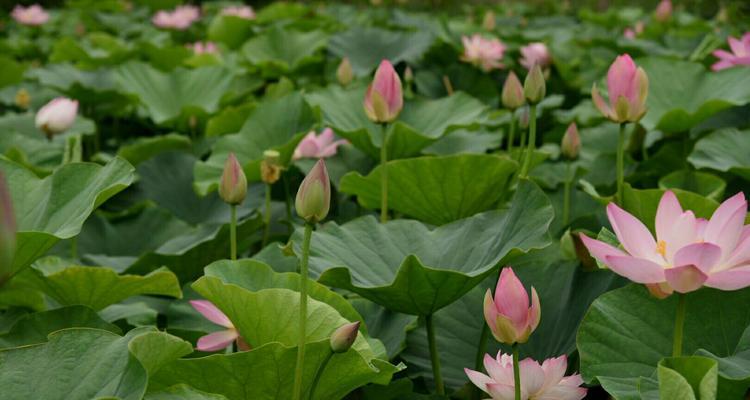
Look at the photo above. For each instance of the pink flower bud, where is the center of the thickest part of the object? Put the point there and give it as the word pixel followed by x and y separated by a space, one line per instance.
pixel 384 98
pixel 314 194
pixel 627 85
pixel 534 87
pixel 535 53
pixel 343 338
pixel 508 315
pixel 203 48
pixel 233 187
pixel 7 230
pixel 489 21
pixel 571 142
pixel 513 92
pixel 663 11
pixel 33 15
pixel 57 116
pixel 344 72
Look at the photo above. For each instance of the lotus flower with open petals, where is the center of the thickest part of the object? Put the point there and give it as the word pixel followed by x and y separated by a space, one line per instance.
pixel 180 18
pixel 538 382
pixel 318 146
pixel 244 12
pixel 221 339
pixel 627 85
pixel 33 15
pixel 687 253
pixel 486 54
pixel 740 54
pixel 535 53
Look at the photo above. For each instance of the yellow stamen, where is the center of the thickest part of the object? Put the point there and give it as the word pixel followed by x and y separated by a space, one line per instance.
pixel 661 248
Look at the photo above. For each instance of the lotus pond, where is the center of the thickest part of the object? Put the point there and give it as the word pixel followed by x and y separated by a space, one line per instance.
pixel 374 201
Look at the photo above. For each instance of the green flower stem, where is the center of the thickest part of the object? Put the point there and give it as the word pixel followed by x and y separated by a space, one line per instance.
pixel 532 141
pixel 679 323
pixel 620 163
pixel 566 195
pixel 298 372
pixel 478 360
pixel 512 132
pixel 522 144
pixel 319 373
pixel 288 203
pixel 233 233
pixel 267 216
pixel 384 176
pixel 434 356
pixel 516 372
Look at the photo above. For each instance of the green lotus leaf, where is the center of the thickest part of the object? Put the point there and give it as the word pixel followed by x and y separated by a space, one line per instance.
pixel 436 190
pixel 725 150
pixel 34 328
pixel 703 183
pixel 408 267
pixel 284 49
pixel 366 46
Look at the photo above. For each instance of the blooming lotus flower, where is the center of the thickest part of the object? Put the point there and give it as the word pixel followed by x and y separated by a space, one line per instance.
pixel 535 53
pixel 233 185
pixel 314 194
pixel 482 52
pixel 245 12
pixel 687 253
pixel 180 18
pixel 571 142
pixel 221 339
pixel 33 15
pixel 627 85
pixel 740 54
pixel 508 315
pixel 321 146
pixel 538 382
pixel 663 11
pixel 204 48
pixel 57 116
pixel 384 98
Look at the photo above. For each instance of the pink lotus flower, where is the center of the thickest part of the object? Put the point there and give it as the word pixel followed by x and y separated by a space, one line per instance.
pixel 57 116
pixel 233 184
pixel 538 382
pixel 245 12
pixel 482 52
pixel 627 85
pixel 687 253
pixel 180 18
pixel 629 33
pixel 321 146
pixel 204 47
pixel 33 15
pixel 221 339
pixel 740 54
pixel 663 11
pixel 509 316
pixel 535 53
pixel 384 98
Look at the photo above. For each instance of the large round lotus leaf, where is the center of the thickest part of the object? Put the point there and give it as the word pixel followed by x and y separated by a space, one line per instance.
pixel 726 150
pixel 682 94
pixel 284 49
pixel 436 190
pixel 408 267
pixel 77 189
pixel 366 47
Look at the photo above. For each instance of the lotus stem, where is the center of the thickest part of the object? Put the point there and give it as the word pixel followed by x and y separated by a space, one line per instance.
pixel 512 133
pixel 532 141
pixel 480 355
pixel 299 370
pixel 384 176
pixel 233 232
pixel 434 356
pixel 620 164
pixel 679 323
pixel 566 195
pixel 267 216
pixel 516 372
pixel 319 373
pixel 288 203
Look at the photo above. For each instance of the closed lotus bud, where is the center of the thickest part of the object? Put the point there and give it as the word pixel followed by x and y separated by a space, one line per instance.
pixel 57 116
pixel 23 99
pixel 489 21
pixel 384 98
pixel 627 85
pixel 534 87
pixel 270 167
pixel 7 230
pixel 513 96
pixel 344 72
pixel 343 338
pixel 663 11
pixel 408 75
pixel 571 142
pixel 509 316
pixel 314 194
pixel 233 186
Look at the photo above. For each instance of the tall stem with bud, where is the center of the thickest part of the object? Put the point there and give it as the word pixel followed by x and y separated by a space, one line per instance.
pixel 534 89
pixel 233 189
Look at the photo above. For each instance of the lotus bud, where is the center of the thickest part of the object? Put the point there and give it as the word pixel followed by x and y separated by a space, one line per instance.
pixel 508 315
pixel 233 186
pixel 384 98
pixel 23 99
pixel 408 75
pixel 343 338
pixel 270 167
pixel 534 87
pixel 7 230
pixel 627 85
pixel 57 116
pixel 314 194
pixel 571 142
pixel 513 92
pixel 344 72
pixel 489 21
pixel 663 11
